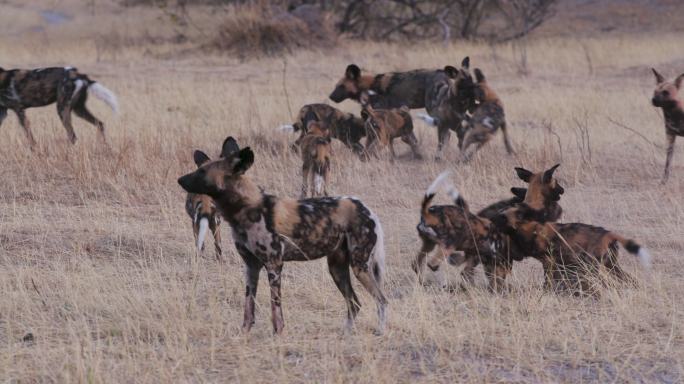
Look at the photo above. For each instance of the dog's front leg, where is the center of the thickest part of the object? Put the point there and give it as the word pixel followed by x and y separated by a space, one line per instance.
pixel 670 151
pixel 274 268
pixel 252 269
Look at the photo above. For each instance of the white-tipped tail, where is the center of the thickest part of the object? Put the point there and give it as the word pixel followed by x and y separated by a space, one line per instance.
pixel 286 128
pixel 377 262
pixel 203 226
pixel 644 258
pixel 99 91
pixel 318 184
pixel 432 189
pixel 453 192
pixel 426 118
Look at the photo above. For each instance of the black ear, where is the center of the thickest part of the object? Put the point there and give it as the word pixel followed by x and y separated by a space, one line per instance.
pixel 465 64
pixel 678 81
pixel 548 174
pixel 352 72
pixel 658 76
pixel 200 158
pixel 479 76
pixel 524 174
pixel 519 192
pixel 229 147
pixel 451 71
pixel 243 160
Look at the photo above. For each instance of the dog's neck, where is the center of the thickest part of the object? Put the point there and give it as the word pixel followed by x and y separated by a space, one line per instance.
pixel 244 195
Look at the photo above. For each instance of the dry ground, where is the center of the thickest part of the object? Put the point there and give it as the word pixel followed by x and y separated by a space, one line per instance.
pixel 96 254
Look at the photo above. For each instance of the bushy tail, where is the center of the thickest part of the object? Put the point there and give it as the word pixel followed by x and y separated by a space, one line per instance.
pixel 377 262
pixel 99 91
pixel 635 249
pixel 427 118
pixel 321 167
pixel 286 128
pixel 432 191
pixel 203 226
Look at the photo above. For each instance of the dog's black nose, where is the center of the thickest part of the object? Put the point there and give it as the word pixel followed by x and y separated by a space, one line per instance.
pixel 184 182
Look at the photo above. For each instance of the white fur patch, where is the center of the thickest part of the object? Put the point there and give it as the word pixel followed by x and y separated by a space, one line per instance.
pixel 371 92
pixel 104 94
pixel 379 250
pixel 286 128
pixel 426 118
pixel 644 258
pixel 437 183
pixel 318 184
pixel 487 122
pixel 79 84
pixel 203 226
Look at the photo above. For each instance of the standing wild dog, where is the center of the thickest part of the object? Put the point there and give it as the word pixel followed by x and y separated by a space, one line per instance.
pixel 487 118
pixel 204 214
pixel 570 252
pixel 446 94
pixel 269 231
pixel 315 149
pixel 453 233
pixel 21 89
pixel 385 125
pixel 665 97
pixel 346 127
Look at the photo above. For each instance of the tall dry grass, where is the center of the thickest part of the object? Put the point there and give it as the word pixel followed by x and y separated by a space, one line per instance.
pixel 96 251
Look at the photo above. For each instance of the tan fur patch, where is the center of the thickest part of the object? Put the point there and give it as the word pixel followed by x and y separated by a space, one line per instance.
pixel 286 216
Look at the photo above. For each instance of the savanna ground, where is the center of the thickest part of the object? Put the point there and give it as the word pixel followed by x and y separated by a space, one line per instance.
pixel 96 253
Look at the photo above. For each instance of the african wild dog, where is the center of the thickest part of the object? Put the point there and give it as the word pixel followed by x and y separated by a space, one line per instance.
pixel 21 89
pixel 204 214
pixel 453 228
pixel 665 97
pixel 346 127
pixel 569 252
pixel 315 150
pixel 487 118
pixel 509 251
pixel 269 231
pixel 446 94
pixel 385 125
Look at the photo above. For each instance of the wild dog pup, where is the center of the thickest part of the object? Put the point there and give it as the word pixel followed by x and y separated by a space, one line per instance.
pixel 346 127
pixel 269 231
pixel 21 89
pixel 487 118
pixel 665 97
pixel 316 151
pixel 454 228
pixel 204 214
pixel 570 252
pixel 385 125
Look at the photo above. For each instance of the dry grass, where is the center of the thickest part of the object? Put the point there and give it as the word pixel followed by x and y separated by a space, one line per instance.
pixel 96 254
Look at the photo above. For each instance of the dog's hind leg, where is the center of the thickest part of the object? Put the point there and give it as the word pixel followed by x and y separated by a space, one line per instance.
pixel 81 111
pixel 417 264
pixel 443 134
pixel 23 120
pixel 670 151
pixel 369 282
pixel 412 141
pixel 507 142
pixel 338 265
pixel 64 112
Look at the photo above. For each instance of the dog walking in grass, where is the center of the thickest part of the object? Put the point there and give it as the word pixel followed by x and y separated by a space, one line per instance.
pixel 316 150
pixel 269 231
pixel 487 118
pixel 22 89
pixel 385 125
pixel 666 97
pixel 204 214
pixel 572 254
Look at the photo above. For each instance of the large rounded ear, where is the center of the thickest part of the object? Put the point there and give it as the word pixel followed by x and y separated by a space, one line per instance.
pixel 200 158
pixel 678 81
pixel 465 64
pixel 658 76
pixel 229 147
pixel 352 72
pixel 479 76
pixel 548 174
pixel 243 161
pixel 451 71
pixel 524 174
pixel 519 192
